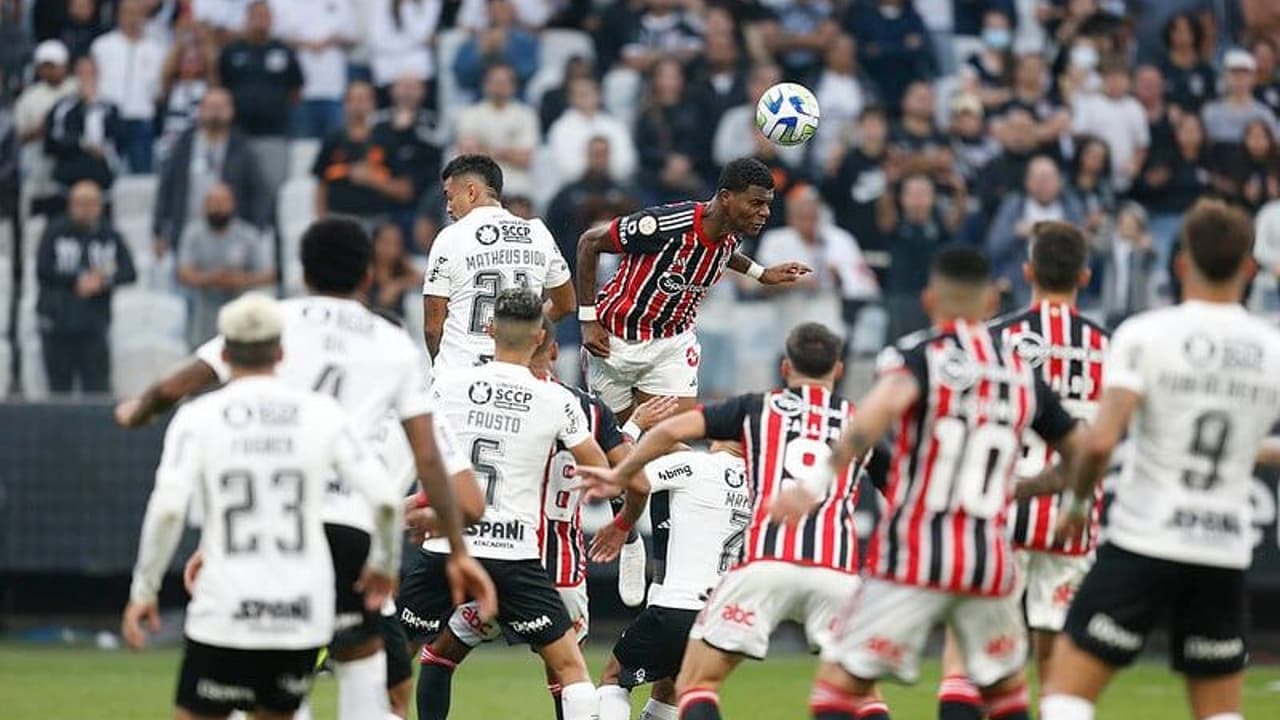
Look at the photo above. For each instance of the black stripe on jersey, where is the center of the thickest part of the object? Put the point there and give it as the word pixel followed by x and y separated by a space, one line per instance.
pixel 935 548
pixel 1021 519
pixel 692 265
pixel 979 564
pixel 771 539
pixel 809 538
pixel 649 287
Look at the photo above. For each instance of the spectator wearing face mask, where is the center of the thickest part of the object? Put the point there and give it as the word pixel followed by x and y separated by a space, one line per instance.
pixel 989 72
pixel 210 153
pixel 221 256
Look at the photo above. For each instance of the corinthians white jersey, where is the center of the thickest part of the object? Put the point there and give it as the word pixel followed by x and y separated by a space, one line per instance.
pixel 1209 377
pixel 339 348
pixel 259 455
pixel 508 422
pixel 710 511
pixel 471 261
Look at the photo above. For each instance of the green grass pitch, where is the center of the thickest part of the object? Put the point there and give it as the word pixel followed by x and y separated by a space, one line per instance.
pixel 72 683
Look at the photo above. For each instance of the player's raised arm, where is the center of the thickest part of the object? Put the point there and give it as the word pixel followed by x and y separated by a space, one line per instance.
pixel 163 394
pixel 591 244
pixel 176 477
pixel 787 272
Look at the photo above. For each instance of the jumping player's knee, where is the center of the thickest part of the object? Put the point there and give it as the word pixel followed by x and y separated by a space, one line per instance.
pixel 1009 684
pixel 832 674
pixel 355 645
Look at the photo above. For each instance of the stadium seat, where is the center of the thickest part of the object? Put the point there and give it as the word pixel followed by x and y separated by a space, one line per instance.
pixel 141 317
pixel 133 368
pixel 556 47
pixel 32 231
pixel 302 154
pixel 7 290
pixel 448 94
pixel 6 365
pixel 133 196
pixel 7 239
pixel 295 209
pixel 756 343
pixel 35 385
pixel 136 231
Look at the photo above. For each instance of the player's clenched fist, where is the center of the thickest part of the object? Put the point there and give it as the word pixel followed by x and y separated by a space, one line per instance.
pixel 595 339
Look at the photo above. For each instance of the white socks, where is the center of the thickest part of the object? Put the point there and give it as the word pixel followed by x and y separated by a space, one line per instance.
pixel 362 688
pixel 1065 707
pixel 1226 716
pixel 579 701
pixel 654 710
pixel 615 703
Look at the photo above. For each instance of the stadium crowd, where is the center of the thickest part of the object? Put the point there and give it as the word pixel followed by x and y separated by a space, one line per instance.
pixel 181 146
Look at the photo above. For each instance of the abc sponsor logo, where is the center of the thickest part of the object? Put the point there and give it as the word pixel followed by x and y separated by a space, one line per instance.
pixel 738 615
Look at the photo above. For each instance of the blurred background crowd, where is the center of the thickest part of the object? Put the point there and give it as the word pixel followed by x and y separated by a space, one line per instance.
pixel 159 157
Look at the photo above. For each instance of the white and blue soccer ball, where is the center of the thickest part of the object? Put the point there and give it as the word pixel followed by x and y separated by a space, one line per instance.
pixel 788 114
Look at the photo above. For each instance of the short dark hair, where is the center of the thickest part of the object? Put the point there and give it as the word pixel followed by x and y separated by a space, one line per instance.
pixel 813 349
pixel 1218 237
pixel 1059 253
pixel 518 304
pixel 745 172
pixel 960 264
pixel 253 355
pixel 336 253
pixel 476 164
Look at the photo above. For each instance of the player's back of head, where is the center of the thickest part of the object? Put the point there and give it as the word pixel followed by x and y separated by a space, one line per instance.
pixel 480 166
pixel 1218 238
pixel 959 285
pixel 517 319
pixel 251 326
pixel 336 254
pixel 813 349
pixel 743 173
pixel 1059 254
pixel 962 266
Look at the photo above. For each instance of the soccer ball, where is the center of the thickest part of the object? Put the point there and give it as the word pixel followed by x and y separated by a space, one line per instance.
pixel 787 114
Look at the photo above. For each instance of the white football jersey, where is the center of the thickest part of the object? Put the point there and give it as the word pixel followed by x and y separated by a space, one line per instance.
pixel 338 347
pixel 471 261
pixel 508 422
pixel 259 453
pixel 710 511
pixel 1209 377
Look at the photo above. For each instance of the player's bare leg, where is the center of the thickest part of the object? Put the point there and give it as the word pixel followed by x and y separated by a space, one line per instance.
pixel 564 661
pixel 1042 644
pixel 1216 698
pixel 662 701
pixel 399 696
pixel 438 659
pixel 837 695
pixel 958 697
pixel 556 688
pixel 1076 680
pixel 703 672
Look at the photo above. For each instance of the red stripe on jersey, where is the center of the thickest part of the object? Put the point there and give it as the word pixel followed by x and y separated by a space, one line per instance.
pixel 942 407
pixel 1097 342
pixel 1054 322
pixel 613 235
pixel 829 518
pixel 768 468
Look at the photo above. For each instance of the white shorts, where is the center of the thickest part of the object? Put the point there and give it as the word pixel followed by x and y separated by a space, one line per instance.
pixel 663 366
pixel 465 622
pixel 884 630
pixel 752 600
pixel 1050 581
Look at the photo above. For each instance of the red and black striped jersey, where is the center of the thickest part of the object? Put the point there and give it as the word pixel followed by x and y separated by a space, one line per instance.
pixel 787 434
pixel 563 545
pixel 668 264
pixel 1068 351
pixel 954 452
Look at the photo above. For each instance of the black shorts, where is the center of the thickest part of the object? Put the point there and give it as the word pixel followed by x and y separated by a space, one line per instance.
pixel 1126 594
pixel 396 642
pixel 215 680
pixel 349 548
pixel 652 647
pixel 528 605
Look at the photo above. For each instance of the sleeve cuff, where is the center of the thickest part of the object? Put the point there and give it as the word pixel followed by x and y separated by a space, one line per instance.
pixel 614 236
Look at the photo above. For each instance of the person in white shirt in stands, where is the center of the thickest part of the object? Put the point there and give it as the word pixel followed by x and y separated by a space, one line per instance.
pixel 320 33
pixel 504 128
pixel 1118 118
pixel 129 65
pixel 400 33
pixel 839 269
pixel 568 136
pixel 33 106
pixel 224 19
pixel 485 251
pixel 263 603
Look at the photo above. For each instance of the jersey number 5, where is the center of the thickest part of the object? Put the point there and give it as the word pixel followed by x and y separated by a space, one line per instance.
pixel 483 450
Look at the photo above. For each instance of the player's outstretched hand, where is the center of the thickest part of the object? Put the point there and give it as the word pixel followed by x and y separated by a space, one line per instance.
pixel 791 505
pixel 468 579
pixel 598 483
pixel 595 339
pixel 135 636
pixel 126 413
pixel 1070 525
pixel 191 570
pixel 607 543
pixel 654 410
pixel 377 587
pixel 787 272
